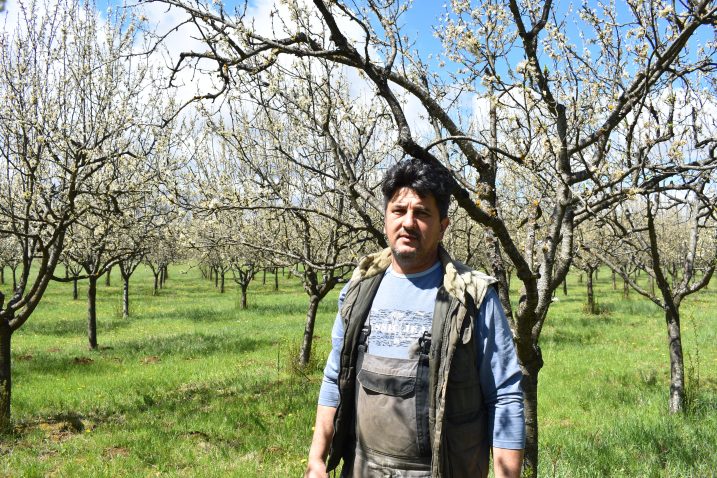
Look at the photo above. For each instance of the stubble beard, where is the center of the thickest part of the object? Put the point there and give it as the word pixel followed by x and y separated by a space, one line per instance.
pixel 404 256
pixel 407 258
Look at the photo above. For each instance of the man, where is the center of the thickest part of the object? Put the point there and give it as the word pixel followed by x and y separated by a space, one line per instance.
pixel 422 380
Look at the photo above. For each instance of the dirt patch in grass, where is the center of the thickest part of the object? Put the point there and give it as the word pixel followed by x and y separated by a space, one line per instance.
pixel 206 441
pixel 47 454
pixel 150 359
pixel 204 446
pixel 115 451
pixel 82 360
pixel 61 430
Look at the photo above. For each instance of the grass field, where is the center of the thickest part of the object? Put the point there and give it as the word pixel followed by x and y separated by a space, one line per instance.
pixel 190 385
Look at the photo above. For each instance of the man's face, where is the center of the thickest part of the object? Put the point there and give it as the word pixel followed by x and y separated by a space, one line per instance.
pixel 414 229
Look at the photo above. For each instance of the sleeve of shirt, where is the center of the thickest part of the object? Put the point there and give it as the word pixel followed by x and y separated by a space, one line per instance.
pixel 329 392
pixel 500 375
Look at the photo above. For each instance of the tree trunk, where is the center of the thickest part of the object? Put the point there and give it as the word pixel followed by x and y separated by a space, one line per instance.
pixel 221 289
pixel 530 403
pixel 74 288
pixel 263 277
pixel 305 354
pixel 92 312
pixel 14 279
pixel 677 364
pixel 5 376
pixel 244 287
pixel 166 272
pixel 625 289
pixel 125 297
pixel 614 281
pixel 161 277
pixel 276 279
pixel 565 285
pixel 673 273
pixel 2 275
pixel 108 277
pixel 156 283
pixel 497 267
pixel 591 293
pixel 216 278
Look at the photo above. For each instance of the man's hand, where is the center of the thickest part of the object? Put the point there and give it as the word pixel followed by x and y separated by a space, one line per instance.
pixel 323 432
pixel 316 468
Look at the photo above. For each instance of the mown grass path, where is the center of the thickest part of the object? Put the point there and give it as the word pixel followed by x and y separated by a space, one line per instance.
pixel 190 385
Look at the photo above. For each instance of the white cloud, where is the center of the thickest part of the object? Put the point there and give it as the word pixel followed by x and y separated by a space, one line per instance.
pixel 179 37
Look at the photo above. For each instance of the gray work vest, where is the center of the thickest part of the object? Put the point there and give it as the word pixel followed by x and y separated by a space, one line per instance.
pixel 457 419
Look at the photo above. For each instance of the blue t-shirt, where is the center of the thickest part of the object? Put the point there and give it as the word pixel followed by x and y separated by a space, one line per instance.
pixel 403 309
pixel 396 323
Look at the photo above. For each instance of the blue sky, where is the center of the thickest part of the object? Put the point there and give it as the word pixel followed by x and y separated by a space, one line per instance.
pixel 420 22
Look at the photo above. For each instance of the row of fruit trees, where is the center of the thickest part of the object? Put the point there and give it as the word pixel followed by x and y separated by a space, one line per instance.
pixel 575 136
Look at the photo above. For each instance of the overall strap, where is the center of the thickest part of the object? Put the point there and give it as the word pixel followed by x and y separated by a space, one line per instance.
pixel 355 310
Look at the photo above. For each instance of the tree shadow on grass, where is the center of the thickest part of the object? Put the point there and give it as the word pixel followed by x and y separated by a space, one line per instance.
pixel 637 306
pixel 73 327
pixel 579 331
pixel 235 398
pixel 87 364
pixel 191 345
pixel 293 308
pixel 194 314
pixel 145 350
pixel 269 308
pixel 173 290
pixel 78 326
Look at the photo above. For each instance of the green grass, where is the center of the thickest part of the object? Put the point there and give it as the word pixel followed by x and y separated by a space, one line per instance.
pixel 190 385
pixel 604 388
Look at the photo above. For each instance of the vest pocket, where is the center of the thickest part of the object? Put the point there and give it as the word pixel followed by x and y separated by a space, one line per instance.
pixel 386 406
pixel 394 386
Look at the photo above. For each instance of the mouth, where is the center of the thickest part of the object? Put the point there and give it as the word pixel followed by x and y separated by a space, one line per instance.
pixel 408 237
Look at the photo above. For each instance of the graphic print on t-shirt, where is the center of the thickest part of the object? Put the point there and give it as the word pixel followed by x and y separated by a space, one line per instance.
pixel 397 328
pixel 394 331
pixel 402 310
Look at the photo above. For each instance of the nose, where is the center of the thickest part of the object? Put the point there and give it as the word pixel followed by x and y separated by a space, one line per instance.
pixel 409 220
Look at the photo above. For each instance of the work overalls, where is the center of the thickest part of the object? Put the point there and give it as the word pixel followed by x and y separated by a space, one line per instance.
pixel 392 435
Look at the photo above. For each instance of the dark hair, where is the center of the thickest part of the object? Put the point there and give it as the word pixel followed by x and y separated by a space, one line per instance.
pixel 422 177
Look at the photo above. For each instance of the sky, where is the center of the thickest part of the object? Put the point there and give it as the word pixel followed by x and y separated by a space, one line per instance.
pixel 418 23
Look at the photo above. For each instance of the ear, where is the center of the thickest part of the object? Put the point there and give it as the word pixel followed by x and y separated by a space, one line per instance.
pixel 444 225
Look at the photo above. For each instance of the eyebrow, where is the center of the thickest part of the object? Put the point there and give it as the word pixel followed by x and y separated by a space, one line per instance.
pixel 403 205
